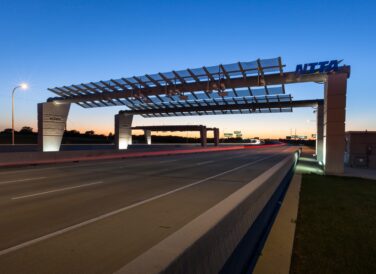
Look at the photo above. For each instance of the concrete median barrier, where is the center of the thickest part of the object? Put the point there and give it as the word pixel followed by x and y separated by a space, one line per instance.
pixel 205 244
pixel 9 159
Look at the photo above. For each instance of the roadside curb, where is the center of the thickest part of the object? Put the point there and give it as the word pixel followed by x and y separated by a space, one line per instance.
pixel 276 254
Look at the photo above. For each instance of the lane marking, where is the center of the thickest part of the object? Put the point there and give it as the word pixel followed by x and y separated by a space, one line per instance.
pixel 21 180
pixel 205 162
pixel 166 161
pixel 120 210
pixel 236 156
pixel 55 190
pixel 188 165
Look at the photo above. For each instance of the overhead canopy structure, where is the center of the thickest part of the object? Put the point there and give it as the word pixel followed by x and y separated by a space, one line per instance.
pixel 170 93
pixel 242 87
pixel 226 105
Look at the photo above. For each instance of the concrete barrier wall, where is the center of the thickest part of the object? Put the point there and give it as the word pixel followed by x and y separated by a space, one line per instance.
pixel 31 158
pixel 34 158
pixel 205 244
pixel 76 147
pixel 66 147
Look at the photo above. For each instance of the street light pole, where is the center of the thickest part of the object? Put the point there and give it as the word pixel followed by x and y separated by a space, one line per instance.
pixel 13 113
pixel 23 86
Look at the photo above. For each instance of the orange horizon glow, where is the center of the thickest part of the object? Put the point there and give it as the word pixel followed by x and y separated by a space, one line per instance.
pixel 193 134
pixel 265 133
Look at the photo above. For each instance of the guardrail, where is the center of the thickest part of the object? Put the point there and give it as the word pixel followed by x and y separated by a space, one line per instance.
pixel 210 242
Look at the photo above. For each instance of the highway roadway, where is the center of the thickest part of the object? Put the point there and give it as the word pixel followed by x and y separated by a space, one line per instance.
pixel 95 217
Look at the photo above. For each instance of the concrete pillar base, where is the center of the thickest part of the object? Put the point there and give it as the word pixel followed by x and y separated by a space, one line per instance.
pixel 320 134
pixel 123 130
pixel 334 123
pixel 216 136
pixel 203 136
pixel 52 120
pixel 147 134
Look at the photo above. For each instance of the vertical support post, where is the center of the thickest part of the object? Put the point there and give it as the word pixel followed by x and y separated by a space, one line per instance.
pixel 123 130
pixel 216 136
pixel 147 134
pixel 203 135
pixel 320 133
pixel 52 121
pixel 334 123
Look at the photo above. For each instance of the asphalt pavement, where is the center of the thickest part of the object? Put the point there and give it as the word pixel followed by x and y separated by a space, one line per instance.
pixel 96 217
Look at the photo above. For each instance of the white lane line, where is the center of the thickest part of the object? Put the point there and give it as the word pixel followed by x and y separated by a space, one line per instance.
pixel 166 161
pixel 21 180
pixel 109 214
pixel 204 163
pixel 55 190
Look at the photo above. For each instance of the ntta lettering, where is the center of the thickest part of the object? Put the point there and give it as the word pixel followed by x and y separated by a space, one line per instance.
pixel 320 67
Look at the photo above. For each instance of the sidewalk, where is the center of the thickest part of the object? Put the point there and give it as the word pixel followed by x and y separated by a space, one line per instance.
pixel 307 163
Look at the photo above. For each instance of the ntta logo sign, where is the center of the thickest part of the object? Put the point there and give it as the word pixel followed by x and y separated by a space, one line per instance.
pixel 318 67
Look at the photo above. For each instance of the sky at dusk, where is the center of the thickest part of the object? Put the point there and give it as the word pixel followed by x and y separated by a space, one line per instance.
pixel 56 43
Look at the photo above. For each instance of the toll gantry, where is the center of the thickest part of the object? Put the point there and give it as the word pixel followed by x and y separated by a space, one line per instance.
pixel 238 88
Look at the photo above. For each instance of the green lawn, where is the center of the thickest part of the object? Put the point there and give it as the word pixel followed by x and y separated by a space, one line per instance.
pixel 336 226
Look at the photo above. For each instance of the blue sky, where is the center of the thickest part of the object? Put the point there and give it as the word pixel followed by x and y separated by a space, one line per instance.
pixel 55 43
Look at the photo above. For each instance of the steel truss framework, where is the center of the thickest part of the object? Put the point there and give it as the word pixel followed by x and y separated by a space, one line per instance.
pixel 239 108
pixel 199 90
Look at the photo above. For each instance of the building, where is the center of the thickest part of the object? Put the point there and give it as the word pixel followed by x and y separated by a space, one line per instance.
pixel 360 150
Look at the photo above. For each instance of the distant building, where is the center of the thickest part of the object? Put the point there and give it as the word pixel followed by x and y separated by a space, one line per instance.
pixel 360 150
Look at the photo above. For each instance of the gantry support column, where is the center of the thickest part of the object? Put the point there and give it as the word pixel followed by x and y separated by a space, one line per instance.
pixel 334 123
pixel 216 136
pixel 320 133
pixel 147 134
pixel 203 135
pixel 52 121
pixel 123 130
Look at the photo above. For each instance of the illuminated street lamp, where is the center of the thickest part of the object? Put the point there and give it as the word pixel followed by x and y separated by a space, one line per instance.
pixel 22 86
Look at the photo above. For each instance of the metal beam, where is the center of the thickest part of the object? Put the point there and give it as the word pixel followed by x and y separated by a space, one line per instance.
pixel 207 83
pixel 171 128
pixel 155 82
pixel 253 106
pixel 113 89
